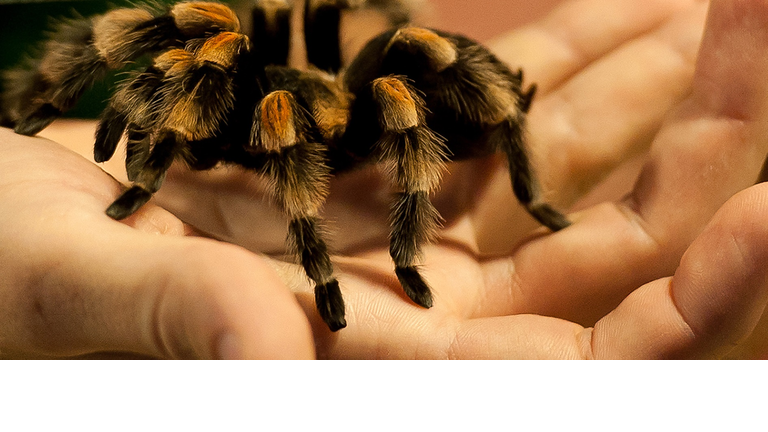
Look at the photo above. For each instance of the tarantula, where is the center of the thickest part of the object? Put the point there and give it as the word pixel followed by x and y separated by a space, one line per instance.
pixel 413 99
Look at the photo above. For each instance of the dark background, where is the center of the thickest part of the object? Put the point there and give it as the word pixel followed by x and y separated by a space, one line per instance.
pixel 23 25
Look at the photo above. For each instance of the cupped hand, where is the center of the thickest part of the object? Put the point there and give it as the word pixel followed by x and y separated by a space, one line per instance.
pixel 652 141
pixel 76 283
pixel 622 88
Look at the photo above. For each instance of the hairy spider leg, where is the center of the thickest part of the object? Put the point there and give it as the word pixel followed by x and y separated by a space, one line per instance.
pixel 469 97
pixel 271 30
pixel 150 178
pixel 524 183
pixel 193 100
pixel 413 153
pixel 137 147
pixel 133 111
pixel 305 235
pixel 526 98
pixel 476 102
pixel 287 149
pixel 322 22
pixel 130 108
pixel 322 26
pixel 415 157
pixel 82 51
pixel 52 84
pixel 112 124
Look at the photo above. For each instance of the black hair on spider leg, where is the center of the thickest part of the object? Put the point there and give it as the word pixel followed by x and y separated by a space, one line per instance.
pixel 414 286
pixel 128 203
pixel 37 120
pixel 108 133
pixel 413 99
pixel 313 253
pixel 330 305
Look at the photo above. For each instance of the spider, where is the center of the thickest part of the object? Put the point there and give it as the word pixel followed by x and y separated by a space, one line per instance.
pixel 413 99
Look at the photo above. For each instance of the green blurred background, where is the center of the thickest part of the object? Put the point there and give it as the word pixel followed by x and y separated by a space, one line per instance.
pixel 23 26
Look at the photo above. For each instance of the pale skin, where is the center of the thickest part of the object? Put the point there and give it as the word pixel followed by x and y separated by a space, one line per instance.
pixel 652 143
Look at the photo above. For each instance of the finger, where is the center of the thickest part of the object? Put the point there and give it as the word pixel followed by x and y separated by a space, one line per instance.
pixel 79 282
pixel 511 337
pixel 715 144
pixel 709 149
pixel 608 112
pixel 710 306
pixel 712 303
pixel 605 116
pixel 579 32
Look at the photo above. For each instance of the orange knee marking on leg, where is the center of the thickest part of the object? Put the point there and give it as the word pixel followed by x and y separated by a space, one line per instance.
pixel 397 108
pixel 222 48
pixel 393 89
pixel 170 58
pixel 418 34
pixel 440 51
pixel 278 128
pixel 198 18
pixel 111 33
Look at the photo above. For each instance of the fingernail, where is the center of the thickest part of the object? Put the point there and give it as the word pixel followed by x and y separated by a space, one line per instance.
pixel 228 347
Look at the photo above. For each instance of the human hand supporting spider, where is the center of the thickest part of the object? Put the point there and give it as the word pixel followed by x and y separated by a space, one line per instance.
pixel 477 313
pixel 601 288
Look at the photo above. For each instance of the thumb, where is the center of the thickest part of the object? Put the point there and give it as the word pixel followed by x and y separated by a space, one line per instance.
pixel 721 287
pixel 713 302
pixel 75 282
pixel 108 288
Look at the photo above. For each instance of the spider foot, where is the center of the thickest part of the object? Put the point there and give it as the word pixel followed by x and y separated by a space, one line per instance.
pixel 549 217
pixel 414 286
pixel 330 305
pixel 127 204
pixel 37 120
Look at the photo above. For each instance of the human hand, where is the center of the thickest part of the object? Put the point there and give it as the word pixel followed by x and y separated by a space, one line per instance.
pixel 615 76
pixel 75 282
pixel 503 289
pixel 708 148
pixel 574 294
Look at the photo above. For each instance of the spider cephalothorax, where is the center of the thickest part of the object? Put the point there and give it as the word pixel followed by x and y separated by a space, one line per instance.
pixel 413 99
